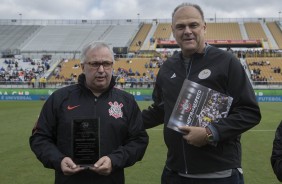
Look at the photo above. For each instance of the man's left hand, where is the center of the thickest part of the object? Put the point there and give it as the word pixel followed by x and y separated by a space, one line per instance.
pixel 196 136
pixel 103 166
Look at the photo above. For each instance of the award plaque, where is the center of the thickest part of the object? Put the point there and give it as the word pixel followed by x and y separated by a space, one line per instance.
pixel 85 141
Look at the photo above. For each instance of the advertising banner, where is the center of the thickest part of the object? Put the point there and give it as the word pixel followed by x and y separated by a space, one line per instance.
pixel 267 95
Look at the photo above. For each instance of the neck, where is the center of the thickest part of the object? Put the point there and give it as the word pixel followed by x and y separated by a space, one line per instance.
pixel 199 50
pixel 95 92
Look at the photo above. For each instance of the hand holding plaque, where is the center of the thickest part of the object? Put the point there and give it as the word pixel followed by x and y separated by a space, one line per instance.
pixel 85 141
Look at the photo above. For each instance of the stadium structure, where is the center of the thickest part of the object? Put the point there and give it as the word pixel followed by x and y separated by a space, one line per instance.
pixel 40 54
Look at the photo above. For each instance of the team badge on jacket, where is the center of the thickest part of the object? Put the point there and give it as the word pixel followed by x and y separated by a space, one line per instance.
pixel 204 74
pixel 115 109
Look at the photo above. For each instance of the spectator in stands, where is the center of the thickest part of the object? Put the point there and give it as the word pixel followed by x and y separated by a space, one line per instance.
pixel 123 139
pixel 151 64
pixel 137 73
pixel 152 41
pixel 16 64
pixel 210 154
pixel 41 82
pixel 44 81
pixel 33 82
pixel 130 72
pixel 276 156
pixel 121 81
pixel 146 65
pixel 141 81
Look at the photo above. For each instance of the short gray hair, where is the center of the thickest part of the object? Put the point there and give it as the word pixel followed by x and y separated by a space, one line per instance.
pixel 94 46
pixel 192 5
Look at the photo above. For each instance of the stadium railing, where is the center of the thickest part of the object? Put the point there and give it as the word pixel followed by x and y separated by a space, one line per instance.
pixel 14 84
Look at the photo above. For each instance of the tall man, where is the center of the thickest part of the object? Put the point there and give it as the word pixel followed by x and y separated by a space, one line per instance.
pixel 203 155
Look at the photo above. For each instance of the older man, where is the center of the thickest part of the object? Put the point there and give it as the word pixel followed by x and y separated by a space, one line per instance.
pixel 122 139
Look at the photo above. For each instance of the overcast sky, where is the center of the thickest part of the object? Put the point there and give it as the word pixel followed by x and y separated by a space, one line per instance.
pixel 129 9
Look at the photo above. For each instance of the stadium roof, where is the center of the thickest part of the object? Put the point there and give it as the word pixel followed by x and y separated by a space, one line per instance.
pixel 133 9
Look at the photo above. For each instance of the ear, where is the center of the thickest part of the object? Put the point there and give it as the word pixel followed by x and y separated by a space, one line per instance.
pixel 205 27
pixel 82 67
pixel 172 30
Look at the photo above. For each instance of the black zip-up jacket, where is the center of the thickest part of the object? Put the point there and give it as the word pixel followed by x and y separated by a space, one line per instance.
pixel 122 135
pixel 218 70
pixel 276 156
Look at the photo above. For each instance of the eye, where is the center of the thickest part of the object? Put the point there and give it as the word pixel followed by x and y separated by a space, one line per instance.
pixel 194 26
pixel 96 65
pixel 106 64
pixel 180 26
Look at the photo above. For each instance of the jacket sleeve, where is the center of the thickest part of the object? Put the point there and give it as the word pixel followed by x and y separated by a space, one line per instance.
pixel 154 114
pixel 135 145
pixel 43 138
pixel 244 112
pixel 276 156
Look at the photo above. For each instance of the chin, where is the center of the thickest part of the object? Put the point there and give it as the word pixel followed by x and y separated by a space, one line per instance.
pixel 189 49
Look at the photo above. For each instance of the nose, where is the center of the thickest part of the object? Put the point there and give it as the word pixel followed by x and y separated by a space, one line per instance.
pixel 101 68
pixel 187 29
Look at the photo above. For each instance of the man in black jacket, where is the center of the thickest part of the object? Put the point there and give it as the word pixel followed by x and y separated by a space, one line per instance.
pixel 123 139
pixel 276 156
pixel 210 154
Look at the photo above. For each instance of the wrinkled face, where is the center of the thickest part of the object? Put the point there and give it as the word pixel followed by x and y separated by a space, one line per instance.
pixel 188 30
pixel 98 69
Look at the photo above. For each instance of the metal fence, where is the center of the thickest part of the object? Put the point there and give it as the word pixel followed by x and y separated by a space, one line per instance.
pixel 122 21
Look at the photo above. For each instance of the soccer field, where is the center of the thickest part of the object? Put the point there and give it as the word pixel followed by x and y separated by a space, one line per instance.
pixel 19 165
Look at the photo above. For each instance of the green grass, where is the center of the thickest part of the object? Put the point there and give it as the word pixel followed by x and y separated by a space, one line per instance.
pixel 20 166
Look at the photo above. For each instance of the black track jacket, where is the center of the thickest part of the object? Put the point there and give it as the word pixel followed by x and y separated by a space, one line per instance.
pixel 218 70
pixel 122 134
pixel 276 156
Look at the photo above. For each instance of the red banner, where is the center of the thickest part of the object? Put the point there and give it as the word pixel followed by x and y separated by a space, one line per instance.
pixel 173 42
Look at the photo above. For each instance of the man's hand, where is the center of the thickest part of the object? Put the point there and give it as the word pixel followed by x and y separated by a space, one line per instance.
pixel 103 166
pixel 69 167
pixel 196 136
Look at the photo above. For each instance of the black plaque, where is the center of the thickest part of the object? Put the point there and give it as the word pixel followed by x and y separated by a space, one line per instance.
pixel 85 141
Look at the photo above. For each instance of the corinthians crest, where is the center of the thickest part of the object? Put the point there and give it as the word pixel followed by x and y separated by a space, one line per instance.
pixel 115 109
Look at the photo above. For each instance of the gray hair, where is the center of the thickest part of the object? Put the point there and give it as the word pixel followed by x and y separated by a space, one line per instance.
pixel 192 5
pixel 94 46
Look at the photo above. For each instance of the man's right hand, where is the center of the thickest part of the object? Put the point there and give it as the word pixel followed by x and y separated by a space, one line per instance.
pixel 69 167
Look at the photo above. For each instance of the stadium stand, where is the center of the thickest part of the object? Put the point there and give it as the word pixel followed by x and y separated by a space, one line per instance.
pixel 269 68
pixel 58 38
pixel 12 36
pixel 140 43
pixel 223 31
pixel 140 38
pixel 276 32
pixel 121 35
pixel 163 31
pixel 67 71
pixel 137 64
pixel 255 31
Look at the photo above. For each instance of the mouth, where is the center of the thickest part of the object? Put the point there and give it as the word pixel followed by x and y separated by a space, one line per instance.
pixel 188 39
pixel 100 78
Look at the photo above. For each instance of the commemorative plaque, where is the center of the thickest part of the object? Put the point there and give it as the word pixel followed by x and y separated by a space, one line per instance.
pixel 85 141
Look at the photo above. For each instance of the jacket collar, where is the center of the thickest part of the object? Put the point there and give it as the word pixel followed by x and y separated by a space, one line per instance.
pixel 82 81
pixel 198 55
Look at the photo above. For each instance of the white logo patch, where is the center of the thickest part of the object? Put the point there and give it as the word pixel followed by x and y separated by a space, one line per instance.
pixel 173 76
pixel 204 74
pixel 115 110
